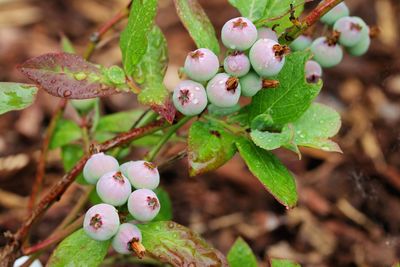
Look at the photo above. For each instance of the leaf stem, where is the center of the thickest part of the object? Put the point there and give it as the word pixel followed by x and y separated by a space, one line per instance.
pixel 232 128
pixel 294 31
pixel 164 139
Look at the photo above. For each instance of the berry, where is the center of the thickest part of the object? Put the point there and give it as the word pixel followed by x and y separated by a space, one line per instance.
pixel 301 43
pixel 267 57
pixel 267 33
pixel 143 205
pixel 98 165
pixel 239 34
pixel 21 260
pixel 361 47
pixel 201 65
pixel 250 84
pixel 101 222
pixel 313 71
pixel 190 98
pixel 223 90
pixel 143 174
pixel 351 29
pixel 127 235
pixel 83 105
pixel 113 188
pixel 339 11
pixel 326 52
pixel 237 64
pixel 124 168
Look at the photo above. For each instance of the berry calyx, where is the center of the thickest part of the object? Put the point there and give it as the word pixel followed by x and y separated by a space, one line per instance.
pixel 267 57
pixel 237 64
pixel 239 34
pixel 201 65
pixel 101 222
pixel 127 240
pixel 143 174
pixel 189 98
pixel 113 188
pixel 98 165
pixel 143 205
pixel 313 71
pixel 223 90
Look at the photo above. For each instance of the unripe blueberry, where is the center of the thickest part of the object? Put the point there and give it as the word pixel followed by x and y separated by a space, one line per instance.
pixel 361 47
pixel 237 64
pixel 21 260
pixel 351 29
pixel 326 53
pixel 143 205
pixel 143 174
pixel 124 168
pixel 101 222
pixel 267 33
pixel 239 34
pixel 189 98
pixel 339 11
pixel 127 235
pixel 98 165
pixel 313 71
pixel 267 57
pixel 223 90
pixel 113 188
pixel 201 65
pixel 301 43
pixel 250 84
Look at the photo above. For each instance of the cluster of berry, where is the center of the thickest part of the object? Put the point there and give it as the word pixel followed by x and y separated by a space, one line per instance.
pixel 351 32
pixel 114 187
pixel 253 56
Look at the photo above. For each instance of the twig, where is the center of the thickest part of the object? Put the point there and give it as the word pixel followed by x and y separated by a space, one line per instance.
pixel 43 155
pixel 293 32
pixel 11 250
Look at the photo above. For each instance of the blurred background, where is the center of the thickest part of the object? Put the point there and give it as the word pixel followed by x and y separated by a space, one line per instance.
pixel 349 208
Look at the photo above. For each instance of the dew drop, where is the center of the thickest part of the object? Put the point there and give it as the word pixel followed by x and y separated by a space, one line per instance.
pixel 80 76
pixel 195 101
pixel 67 93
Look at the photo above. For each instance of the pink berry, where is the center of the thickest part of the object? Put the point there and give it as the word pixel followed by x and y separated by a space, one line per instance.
pixel 239 34
pixel 113 188
pixel 143 205
pixel 201 65
pixel 267 33
pixel 101 222
pixel 143 174
pixel 98 165
pixel 223 90
pixel 313 71
pixel 190 98
pixel 125 238
pixel 237 64
pixel 267 57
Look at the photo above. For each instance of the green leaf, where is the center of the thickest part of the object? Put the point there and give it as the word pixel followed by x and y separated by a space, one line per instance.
pixel 283 263
pixel 269 171
pixel 150 73
pixel 65 132
pixel 241 255
pixel 79 250
pixel 165 213
pixel 275 10
pixel 118 122
pixel 133 41
pixel 70 155
pixel 251 9
pixel 209 147
pixel 173 243
pixel 16 96
pixel 312 129
pixel 222 112
pixel 291 98
pixel 315 127
pixel 67 45
pixel 198 24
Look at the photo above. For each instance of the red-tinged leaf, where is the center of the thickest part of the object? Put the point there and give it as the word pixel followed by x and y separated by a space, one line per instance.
pixel 167 110
pixel 69 76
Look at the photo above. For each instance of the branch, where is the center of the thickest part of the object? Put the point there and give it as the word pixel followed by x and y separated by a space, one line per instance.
pixel 12 249
pixel 293 32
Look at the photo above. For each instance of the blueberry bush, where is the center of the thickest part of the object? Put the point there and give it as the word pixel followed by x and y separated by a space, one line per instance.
pixel 270 57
